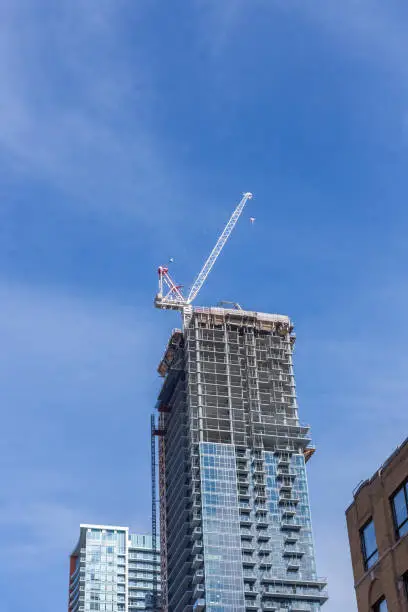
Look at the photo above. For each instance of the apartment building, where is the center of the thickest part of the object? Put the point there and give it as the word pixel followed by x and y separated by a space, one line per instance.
pixel 377 523
pixel 112 570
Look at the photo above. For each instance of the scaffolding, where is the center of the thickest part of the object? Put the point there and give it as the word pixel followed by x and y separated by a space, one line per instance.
pixel 154 509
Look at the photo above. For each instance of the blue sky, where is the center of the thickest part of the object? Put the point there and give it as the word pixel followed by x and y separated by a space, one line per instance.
pixel 128 130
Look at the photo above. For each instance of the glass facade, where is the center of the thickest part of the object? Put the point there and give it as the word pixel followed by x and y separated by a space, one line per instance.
pixel 236 531
pixel 143 566
pixel 105 570
pixel 112 571
pixel 220 529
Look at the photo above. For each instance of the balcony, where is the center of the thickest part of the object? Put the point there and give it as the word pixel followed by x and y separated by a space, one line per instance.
pixel 288 526
pixel 250 591
pixel 198 561
pixel 288 499
pixel 242 481
pixel 291 539
pixel 247 546
pixel 293 552
pixel 243 494
pixel 244 504
pixel 249 575
pixel 197 533
pixel 197 547
pixel 198 591
pixel 286 487
pixel 259 482
pixel 285 472
pixel 199 605
pixel 245 519
pixel 242 467
pixel 269 606
pixel 288 512
pixel 261 508
pixel 295 589
pixel 247 561
pixel 260 495
pixel 198 577
pixel 293 566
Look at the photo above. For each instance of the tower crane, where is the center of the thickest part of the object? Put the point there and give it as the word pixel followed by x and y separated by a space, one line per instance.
pixel 170 295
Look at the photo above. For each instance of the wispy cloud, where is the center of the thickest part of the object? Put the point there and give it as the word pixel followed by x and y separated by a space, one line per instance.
pixel 77 113
pixel 369 28
pixel 373 29
pixel 67 382
pixel 351 363
pixel 38 533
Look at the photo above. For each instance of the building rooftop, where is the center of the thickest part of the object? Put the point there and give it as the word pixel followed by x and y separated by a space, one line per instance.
pixel 238 313
pixel 263 320
pixel 383 467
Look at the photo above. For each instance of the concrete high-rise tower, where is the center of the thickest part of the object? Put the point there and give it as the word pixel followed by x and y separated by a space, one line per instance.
pixel 235 521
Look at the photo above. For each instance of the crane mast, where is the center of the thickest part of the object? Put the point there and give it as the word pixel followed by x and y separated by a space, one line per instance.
pixel 169 295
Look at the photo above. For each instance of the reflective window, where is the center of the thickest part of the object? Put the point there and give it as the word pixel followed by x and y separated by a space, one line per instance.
pixel 405 579
pixel 221 531
pixel 369 545
pixel 399 502
pixel 381 605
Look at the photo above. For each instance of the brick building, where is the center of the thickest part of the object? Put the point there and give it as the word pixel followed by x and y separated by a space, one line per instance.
pixel 377 523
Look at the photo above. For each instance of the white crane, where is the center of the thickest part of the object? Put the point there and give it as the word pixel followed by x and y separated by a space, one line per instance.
pixel 169 294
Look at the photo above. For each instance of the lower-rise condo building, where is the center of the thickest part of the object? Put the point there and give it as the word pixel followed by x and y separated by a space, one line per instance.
pixel 112 570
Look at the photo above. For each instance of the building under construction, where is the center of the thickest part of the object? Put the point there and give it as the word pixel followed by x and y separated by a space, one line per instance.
pixel 234 510
pixel 235 526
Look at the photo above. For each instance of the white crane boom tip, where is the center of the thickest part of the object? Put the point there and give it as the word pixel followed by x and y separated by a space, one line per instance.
pixel 248 195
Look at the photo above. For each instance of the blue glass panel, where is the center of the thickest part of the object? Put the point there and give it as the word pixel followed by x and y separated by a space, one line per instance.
pixel 369 545
pixel 400 508
pixel 221 531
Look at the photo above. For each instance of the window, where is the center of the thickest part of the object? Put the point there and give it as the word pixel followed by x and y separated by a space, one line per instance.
pixel 405 579
pixel 399 502
pixel 381 605
pixel 369 545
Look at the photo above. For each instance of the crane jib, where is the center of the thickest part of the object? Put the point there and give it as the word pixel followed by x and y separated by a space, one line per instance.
pixel 170 295
pixel 206 269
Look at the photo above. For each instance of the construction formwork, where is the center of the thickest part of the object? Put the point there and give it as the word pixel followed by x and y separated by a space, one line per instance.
pixel 228 414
